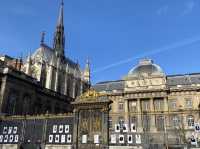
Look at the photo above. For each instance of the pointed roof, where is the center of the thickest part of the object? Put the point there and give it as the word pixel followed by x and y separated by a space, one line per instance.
pixel 59 36
pixel 60 17
pixel 87 66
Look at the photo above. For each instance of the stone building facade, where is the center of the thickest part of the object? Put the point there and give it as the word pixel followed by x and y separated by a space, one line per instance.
pixel 53 69
pixel 21 94
pixel 152 108
pixel 46 82
pixel 146 109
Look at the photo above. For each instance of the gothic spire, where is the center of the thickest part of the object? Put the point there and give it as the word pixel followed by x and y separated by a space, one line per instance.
pixel 61 14
pixel 86 73
pixel 59 37
pixel 42 38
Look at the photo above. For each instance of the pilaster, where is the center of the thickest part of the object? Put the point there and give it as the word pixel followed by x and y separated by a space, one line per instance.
pixel 152 119
pixel 139 118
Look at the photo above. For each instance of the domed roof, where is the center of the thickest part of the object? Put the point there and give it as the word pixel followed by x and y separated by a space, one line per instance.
pixel 146 67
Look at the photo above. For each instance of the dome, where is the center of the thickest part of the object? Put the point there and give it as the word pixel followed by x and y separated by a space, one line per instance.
pixel 146 67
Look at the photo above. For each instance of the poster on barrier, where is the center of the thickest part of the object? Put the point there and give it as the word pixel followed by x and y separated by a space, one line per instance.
pixel 117 128
pixel 16 138
pixel 113 138
pixel 125 127
pixel 61 129
pixel 121 138
pixel 197 127
pixel 84 138
pixel 50 138
pixel 54 128
pixel 69 138
pixel 66 128
pixel 138 139
pixel 15 130
pixel 1 138
pixel 62 138
pixel 133 127
pixel 130 139
pixel 57 139
pixel 96 139
pixel 10 130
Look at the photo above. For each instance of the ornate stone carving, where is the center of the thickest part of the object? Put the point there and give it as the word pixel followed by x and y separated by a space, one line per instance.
pixel 91 94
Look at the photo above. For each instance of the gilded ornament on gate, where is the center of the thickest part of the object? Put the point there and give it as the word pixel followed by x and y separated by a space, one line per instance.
pixel 91 94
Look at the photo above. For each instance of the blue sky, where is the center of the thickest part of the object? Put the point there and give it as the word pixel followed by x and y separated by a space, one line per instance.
pixel 113 34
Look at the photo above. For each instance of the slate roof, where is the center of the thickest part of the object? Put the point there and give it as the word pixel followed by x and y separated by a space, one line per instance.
pixel 48 53
pixel 172 80
pixel 109 86
pixel 184 79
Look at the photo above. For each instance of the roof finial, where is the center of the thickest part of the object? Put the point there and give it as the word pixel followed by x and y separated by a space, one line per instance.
pixel 42 37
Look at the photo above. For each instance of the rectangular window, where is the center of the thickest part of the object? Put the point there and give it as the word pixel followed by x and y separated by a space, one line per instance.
pixel 158 104
pixel 175 120
pixel 121 106
pixel 188 103
pixel 133 123
pixel 110 122
pixel 160 122
pixel 146 122
pixel 133 106
pixel 172 105
pixel 190 121
pixel 121 121
pixel 145 105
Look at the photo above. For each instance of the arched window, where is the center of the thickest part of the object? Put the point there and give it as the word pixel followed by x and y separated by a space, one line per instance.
pixel 190 121
pixel 26 105
pixel 11 104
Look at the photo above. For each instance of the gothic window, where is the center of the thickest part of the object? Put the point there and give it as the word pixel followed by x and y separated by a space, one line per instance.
pixel 68 86
pixel 188 103
pixel 11 104
pixel 26 105
pixel 133 106
pixel 160 122
pixel 59 83
pixel 190 121
pixel 38 106
pixel 43 75
pixel 76 89
pixel 158 104
pixel 53 79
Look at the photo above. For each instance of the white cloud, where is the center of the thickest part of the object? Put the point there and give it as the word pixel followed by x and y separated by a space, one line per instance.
pixel 189 6
pixel 162 10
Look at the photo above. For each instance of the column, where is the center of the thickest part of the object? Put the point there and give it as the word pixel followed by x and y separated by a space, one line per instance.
pixel 56 80
pixel 126 111
pixel 152 116
pixel 139 117
pixel 166 109
pixel 49 77
pixel 165 104
pixel 66 85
